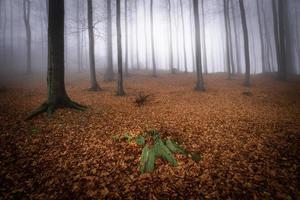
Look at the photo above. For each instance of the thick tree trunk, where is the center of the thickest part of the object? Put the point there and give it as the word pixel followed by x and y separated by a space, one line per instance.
pixel 282 71
pixel 183 38
pixel 120 88
pixel 109 74
pixel 246 42
pixel 126 38
pixel 57 96
pixel 204 39
pixel 171 55
pixel 94 83
pixel 152 40
pixel 200 82
pixel 26 9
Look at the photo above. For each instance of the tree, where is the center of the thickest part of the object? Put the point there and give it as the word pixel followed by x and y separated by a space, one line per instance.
pixel 109 74
pixel 171 56
pixel 183 37
pixel 227 34
pixel 261 37
pixel 200 82
pixel 26 13
pixel 79 50
pixel 237 42
pixel 126 38
pixel 145 35
pixel 204 38
pixel 57 95
pixel 137 36
pixel 94 83
pixel 152 40
pixel 120 91
pixel 246 42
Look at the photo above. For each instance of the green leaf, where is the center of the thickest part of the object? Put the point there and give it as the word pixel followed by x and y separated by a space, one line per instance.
pixel 140 140
pixel 196 157
pixel 147 161
pixel 127 137
pixel 175 148
pixel 162 150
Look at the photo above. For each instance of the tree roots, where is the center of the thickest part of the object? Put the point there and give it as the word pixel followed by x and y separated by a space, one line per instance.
pixel 50 108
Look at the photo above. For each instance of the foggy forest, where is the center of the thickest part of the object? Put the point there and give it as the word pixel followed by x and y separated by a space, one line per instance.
pixel 149 99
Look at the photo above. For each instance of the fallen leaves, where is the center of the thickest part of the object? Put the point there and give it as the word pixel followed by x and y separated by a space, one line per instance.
pixel 249 145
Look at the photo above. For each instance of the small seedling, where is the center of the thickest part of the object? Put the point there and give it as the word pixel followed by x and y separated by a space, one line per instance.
pixel 141 99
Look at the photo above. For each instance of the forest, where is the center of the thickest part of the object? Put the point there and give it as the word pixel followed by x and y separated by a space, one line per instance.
pixel 149 99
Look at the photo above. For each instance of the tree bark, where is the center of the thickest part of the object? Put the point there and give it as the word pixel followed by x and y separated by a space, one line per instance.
pixel 200 82
pixel 152 40
pixel 137 36
pixel 78 36
pixel 126 38
pixel 145 35
pixel 204 39
pixel 171 55
pixel 109 74
pixel 120 91
pixel 262 41
pixel 57 95
pixel 246 42
pixel 94 83
pixel 227 49
pixel 183 38
pixel 237 42
pixel 26 10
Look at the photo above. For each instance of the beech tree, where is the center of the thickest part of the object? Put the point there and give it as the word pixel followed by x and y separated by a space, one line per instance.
pixel 26 13
pixel 57 95
pixel 94 83
pixel 109 74
pixel 120 89
pixel 200 81
pixel 152 40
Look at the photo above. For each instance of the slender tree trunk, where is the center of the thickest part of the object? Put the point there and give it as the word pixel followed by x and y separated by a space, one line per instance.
pixel 183 38
pixel 137 36
pixel 262 42
pixel 57 95
pixel 192 36
pixel 26 5
pixel 109 74
pixel 120 91
pixel 268 43
pixel 171 55
pixel 78 36
pixel 94 83
pixel 145 35
pixel 237 42
pixel 230 42
pixel 152 40
pixel 276 32
pixel 200 82
pixel 227 49
pixel 11 57
pixel 204 39
pixel 246 42
pixel 126 38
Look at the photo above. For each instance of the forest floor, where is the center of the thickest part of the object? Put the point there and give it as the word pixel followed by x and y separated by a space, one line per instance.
pixel 249 139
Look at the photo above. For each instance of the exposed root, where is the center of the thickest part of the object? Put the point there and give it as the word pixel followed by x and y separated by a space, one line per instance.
pixel 50 108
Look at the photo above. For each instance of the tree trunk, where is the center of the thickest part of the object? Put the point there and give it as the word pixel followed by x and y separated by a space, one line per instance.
pixel 200 82
pixel 262 41
pixel 227 49
pixel 94 83
pixel 26 7
pixel 171 55
pixel 109 74
pixel 246 42
pixel 145 35
pixel 126 38
pixel 152 40
pixel 192 36
pixel 237 42
pixel 183 37
pixel 57 96
pixel 137 36
pixel 120 90
pixel 11 56
pixel 78 36
pixel 204 39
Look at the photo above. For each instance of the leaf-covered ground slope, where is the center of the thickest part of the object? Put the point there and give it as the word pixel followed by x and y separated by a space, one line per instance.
pixel 249 140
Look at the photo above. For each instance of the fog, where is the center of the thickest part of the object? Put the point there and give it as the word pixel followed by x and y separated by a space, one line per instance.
pixel 13 35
